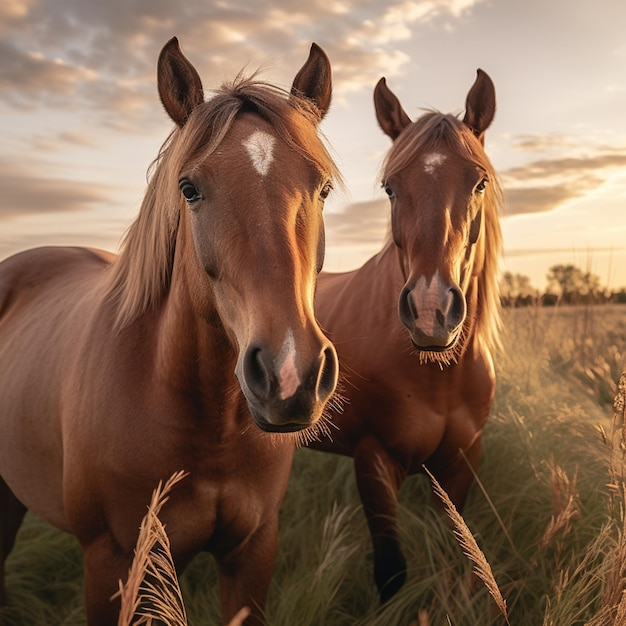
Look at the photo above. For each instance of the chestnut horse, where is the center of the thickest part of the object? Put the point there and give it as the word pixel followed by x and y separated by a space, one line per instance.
pixel 416 325
pixel 117 372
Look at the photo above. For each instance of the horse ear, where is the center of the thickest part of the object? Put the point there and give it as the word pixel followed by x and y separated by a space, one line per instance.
pixel 314 80
pixel 480 105
pixel 180 87
pixel 389 112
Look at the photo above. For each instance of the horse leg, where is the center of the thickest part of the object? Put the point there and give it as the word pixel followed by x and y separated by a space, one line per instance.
pixel 245 575
pixel 378 478
pixel 457 478
pixel 104 566
pixel 12 513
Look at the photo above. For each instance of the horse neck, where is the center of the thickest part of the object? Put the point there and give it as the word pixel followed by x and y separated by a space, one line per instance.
pixel 364 299
pixel 195 352
pixel 387 265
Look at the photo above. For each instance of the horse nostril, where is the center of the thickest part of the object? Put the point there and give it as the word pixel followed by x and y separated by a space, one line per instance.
pixel 457 308
pixel 328 376
pixel 255 372
pixel 406 308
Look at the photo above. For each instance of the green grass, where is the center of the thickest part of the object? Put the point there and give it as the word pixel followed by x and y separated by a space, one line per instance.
pixel 547 511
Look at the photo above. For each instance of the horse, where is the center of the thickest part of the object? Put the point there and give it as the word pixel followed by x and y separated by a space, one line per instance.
pixel 194 349
pixel 415 327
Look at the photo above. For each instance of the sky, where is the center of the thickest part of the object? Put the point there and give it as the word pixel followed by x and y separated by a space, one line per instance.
pixel 81 121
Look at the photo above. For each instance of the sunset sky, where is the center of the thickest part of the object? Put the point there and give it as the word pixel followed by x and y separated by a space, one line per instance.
pixel 81 119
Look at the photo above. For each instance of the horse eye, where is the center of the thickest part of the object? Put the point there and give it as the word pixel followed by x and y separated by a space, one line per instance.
pixel 388 190
pixel 480 188
pixel 325 192
pixel 189 191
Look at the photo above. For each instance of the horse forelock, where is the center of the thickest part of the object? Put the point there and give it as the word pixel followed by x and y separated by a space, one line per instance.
pixel 433 133
pixel 141 275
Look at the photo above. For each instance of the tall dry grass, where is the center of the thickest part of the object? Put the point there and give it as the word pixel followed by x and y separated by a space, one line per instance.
pixel 151 595
pixel 151 591
pixel 547 511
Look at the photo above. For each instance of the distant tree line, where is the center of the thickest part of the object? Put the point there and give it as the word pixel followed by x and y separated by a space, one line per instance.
pixel 566 284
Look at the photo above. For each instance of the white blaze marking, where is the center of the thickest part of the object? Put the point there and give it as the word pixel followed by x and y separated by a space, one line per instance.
pixel 429 294
pixel 288 378
pixel 260 147
pixel 431 161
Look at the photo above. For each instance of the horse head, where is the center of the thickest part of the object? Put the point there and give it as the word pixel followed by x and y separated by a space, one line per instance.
pixel 251 178
pixel 440 185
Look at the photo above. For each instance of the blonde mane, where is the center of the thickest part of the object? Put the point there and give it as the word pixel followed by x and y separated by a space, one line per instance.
pixel 141 275
pixel 431 130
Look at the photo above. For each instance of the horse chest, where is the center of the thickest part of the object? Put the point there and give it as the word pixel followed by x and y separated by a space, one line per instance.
pixel 220 514
pixel 419 414
pixel 236 484
pixel 415 432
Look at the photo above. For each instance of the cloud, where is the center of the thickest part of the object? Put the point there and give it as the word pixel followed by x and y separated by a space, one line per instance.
pixel 26 77
pixel 359 223
pixel 539 199
pixel 12 11
pixel 105 52
pixel 568 166
pixel 59 141
pixel 546 184
pixel 394 24
pixel 23 193
pixel 541 143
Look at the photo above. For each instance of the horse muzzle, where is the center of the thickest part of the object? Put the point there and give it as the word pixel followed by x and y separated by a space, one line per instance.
pixel 433 314
pixel 425 344
pixel 283 396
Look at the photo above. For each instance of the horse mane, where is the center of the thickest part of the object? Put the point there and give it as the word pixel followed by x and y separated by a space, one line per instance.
pixel 141 274
pixel 424 135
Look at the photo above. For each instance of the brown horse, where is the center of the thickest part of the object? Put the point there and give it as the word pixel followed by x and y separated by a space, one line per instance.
pixel 422 398
pixel 117 372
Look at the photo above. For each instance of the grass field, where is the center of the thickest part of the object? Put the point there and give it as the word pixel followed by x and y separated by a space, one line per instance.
pixel 547 511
